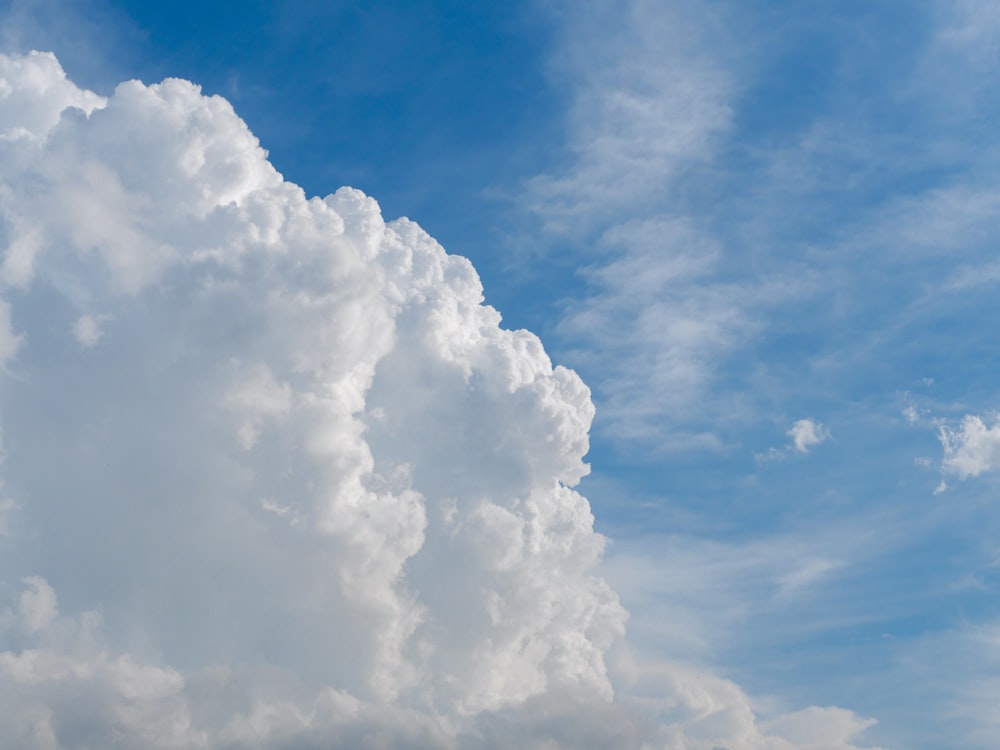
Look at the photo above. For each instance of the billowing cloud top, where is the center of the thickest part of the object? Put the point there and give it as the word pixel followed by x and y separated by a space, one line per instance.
pixel 274 474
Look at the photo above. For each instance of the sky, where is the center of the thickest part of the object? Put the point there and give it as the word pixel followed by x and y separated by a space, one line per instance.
pixel 539 374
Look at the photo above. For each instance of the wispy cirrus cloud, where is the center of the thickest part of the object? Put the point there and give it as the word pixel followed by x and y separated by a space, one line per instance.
pixel 648 100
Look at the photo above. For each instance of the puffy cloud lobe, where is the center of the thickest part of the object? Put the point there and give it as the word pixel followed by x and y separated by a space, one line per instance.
pixel 320 385
pixel 319 497
pixel 806 433
pixel 972 449
pixel 35 94
pixel 66 688
pixel 701 711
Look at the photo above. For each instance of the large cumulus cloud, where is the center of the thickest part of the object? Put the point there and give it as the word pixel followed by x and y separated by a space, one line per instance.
pixel 274 475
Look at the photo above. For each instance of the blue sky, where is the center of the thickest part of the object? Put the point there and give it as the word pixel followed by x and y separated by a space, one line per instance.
pixel 763 233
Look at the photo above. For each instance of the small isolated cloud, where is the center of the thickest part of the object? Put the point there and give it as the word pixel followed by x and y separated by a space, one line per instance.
pixel 87 330
pixel 972 449
pixel 806 433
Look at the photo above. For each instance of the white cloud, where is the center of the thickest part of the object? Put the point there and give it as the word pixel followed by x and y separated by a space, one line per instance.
pixel 87 330
pixel 255 331
pixel 68 688
pixel 647 102
pixel 702 710
pixel 806 433
pixel 319 497
pixel 972 449
pixel 35 94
